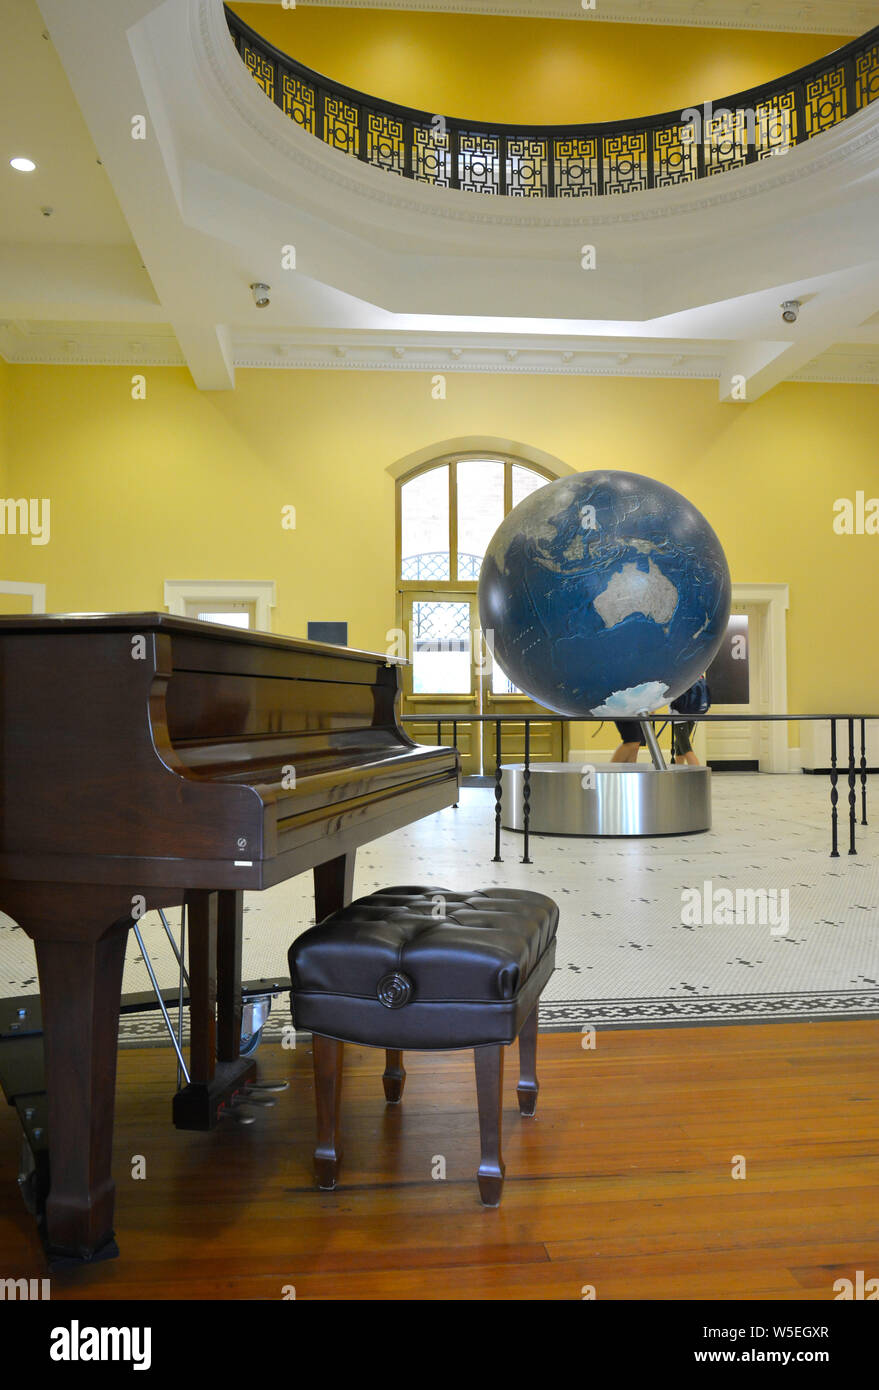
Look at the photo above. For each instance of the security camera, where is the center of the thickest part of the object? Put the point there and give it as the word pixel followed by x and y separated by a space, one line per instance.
pixel 790 310
pixel 260 294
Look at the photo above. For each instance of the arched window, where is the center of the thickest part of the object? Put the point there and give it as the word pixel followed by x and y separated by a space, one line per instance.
pixel 449 509
pixel 447 512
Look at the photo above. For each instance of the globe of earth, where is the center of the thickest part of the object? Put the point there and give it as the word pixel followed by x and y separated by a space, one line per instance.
pixel 604 593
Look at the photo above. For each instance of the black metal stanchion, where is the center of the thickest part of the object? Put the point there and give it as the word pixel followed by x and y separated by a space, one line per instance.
pixel 497 793
pixel 863 772
pixel 526 793
pixel 455 746
pixel 852 794
pixel 834 794
pixel 439 731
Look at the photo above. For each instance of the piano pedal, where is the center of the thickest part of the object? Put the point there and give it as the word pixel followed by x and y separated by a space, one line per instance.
pixel 249 1097
pixel 239 1117
pixel 235 1110
pixel 259 1085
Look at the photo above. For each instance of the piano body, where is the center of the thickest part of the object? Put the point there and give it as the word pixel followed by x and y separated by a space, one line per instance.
pixel 149 760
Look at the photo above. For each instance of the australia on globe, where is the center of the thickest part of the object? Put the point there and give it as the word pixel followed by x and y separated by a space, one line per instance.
pixel 604 593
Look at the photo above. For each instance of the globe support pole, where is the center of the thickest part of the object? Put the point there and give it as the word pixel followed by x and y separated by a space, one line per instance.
pixel 653 745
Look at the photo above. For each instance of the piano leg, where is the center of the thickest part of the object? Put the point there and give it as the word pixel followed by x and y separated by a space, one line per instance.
pixel 80 986
pixel 230 920
pixel 211 1084
pixel 201 917
pixel 333 885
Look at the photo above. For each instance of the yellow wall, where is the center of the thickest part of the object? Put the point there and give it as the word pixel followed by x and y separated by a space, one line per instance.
pixel 547 71
pixel 190 485
pixel 5 377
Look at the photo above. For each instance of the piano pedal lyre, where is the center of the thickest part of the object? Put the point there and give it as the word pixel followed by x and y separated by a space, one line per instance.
pixel 261 1094
pixel 257 1007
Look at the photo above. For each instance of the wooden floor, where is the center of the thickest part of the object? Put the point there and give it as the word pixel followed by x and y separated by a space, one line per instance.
pixel 622 1181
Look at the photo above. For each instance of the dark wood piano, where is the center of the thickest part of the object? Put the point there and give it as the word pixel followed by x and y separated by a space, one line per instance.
pixel 148 759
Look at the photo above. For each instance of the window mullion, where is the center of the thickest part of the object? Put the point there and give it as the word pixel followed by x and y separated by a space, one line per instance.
pixel 453 520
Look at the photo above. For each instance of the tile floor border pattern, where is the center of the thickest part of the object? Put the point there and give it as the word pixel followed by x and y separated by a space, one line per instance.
pixel 147 1029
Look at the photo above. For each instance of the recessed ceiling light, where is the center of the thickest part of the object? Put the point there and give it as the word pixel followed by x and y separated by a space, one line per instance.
pixel 26 166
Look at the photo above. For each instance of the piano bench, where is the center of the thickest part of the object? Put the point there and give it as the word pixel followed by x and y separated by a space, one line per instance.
pixel 426 969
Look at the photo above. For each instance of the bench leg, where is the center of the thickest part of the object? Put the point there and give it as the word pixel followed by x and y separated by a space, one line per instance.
pixel 489 1092
pixel 528 1084
pixel 328 1053
pixel 394 1078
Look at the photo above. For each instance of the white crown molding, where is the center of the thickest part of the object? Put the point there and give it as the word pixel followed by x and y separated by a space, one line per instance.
pixel 111 345
pixel 45 343
pixel 596 361
pixel 842 367
pixel 778 16
pixel 315 161
pixel 396 352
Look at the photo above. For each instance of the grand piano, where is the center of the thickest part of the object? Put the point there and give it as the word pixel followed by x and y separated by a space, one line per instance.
pixel 150 761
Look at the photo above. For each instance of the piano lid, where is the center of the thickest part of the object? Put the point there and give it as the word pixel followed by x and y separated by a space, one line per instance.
pixel 171 623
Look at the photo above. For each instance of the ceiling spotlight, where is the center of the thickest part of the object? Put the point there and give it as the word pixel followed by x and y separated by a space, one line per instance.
pixel 790 310
pixel 260 294
pixel 23 164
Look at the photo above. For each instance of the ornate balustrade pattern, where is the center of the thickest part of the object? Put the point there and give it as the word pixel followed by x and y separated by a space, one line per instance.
pixel 572 161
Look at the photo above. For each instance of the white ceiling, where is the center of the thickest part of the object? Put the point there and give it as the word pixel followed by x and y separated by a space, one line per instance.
pixel 792 16
pixel 148 256
pixel 39 112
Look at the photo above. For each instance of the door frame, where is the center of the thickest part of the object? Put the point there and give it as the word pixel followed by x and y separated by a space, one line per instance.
pixel 36 592
pixel 774 601
pixel 260 592
pixel 460 707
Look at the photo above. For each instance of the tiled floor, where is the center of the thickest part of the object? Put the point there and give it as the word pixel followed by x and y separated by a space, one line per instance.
pixel 627 954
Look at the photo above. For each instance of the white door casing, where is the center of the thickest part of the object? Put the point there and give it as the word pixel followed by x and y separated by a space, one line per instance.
pixel 37 592
pixel 767 605
pixel 178 592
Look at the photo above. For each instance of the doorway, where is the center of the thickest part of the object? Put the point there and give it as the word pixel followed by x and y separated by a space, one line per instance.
pixel 733 685
pixel 452 675
pixel 764 608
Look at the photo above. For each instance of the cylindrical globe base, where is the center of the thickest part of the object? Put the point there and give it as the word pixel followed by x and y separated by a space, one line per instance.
pixel 608 799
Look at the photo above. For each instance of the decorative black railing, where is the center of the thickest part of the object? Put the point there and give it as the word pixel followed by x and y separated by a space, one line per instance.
pixel 854 768
pixel 570 161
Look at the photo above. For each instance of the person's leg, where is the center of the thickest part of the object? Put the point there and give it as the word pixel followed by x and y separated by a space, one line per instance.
pixel 632 739
pixel 683 746
pixel 626 753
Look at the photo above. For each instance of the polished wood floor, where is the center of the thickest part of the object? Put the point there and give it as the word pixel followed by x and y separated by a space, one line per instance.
pixel 623 1181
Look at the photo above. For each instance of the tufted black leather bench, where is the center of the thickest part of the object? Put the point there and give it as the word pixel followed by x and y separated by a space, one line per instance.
pixel 427 969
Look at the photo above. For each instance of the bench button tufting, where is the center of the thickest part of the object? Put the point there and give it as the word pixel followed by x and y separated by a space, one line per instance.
pixel 394 990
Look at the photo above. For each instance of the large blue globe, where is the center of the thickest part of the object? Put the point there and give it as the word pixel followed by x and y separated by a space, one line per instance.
pixel 604 593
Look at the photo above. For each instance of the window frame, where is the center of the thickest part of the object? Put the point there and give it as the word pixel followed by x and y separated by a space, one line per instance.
pixel 260 592
pixel 451 461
